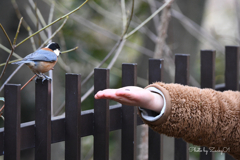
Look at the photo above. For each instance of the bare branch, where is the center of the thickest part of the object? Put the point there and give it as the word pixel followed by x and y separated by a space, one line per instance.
pixel 20 89
pixel 9 51
pixel 24 23
pixel 12 46
pixel 124 16
pixel 19 25
pixel 153 8
pixel 162 31
pixel 53 23
pixel 147 20
pixel 238 18
pixel 38 25
pixel 64 22
pixel 6 35
pixel 10 77
pixel 196 30
pixel 4 69
pixel 38 13
pixel 102 62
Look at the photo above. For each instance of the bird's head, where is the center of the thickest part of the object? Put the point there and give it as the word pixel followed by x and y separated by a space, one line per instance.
pixel 54 47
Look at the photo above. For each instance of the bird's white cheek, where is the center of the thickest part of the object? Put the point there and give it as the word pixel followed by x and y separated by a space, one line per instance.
pixel 57 52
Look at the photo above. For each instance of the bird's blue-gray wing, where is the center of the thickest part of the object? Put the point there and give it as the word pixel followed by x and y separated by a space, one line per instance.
pixel 41 55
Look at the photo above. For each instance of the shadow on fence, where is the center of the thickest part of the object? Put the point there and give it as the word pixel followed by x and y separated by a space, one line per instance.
pixel 39 134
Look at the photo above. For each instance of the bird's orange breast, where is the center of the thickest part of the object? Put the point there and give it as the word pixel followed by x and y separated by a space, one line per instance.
pixel 45 66
pixel 41 67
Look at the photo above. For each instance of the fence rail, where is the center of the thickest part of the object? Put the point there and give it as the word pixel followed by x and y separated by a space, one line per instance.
pixel 44 131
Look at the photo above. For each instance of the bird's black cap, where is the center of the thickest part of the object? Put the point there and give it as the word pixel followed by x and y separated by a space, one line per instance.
pixel 53 46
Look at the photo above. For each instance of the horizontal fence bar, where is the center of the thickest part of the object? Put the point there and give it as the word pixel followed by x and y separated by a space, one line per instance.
pixel 58 127
pixel 12 114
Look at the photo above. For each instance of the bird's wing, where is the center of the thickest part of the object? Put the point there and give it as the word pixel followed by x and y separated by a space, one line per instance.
pixel 41 55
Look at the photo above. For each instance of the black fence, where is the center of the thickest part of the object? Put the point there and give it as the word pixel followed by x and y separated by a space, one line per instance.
pixel 44 131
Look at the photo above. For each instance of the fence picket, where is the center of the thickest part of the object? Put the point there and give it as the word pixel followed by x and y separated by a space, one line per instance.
pixel 232 67
pixel 129 115
pixel 231 74
pixel 207 81
pixel 101 116
pixel 43 120
pixel 73 117
pixel 208 68
pixel 12 113
pixel 155 140
pixel 181 77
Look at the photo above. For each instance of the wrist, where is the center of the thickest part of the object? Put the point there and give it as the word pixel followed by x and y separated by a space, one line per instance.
pixel 157 103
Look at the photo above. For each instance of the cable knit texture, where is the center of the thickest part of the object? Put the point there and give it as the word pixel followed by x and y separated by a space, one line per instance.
pixel 202 117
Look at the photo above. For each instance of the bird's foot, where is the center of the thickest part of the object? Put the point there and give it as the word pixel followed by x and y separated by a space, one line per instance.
pixel 43 77
pixel 39 76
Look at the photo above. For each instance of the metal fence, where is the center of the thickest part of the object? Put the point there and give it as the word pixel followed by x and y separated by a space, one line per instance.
pixel 44 131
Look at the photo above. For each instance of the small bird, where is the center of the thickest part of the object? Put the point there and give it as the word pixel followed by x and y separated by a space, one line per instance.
pixel 42 60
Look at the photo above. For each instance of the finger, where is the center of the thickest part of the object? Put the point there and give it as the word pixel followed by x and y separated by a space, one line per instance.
pixel 107 93
pixel 98 95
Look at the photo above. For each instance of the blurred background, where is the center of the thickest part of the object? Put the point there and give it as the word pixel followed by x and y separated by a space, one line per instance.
pixel 184 26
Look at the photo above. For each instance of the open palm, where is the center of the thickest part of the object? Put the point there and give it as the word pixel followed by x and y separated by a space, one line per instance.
pixel 132 96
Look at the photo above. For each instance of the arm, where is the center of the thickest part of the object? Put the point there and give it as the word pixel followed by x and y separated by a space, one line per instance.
pixel 202 116
pixel 199 116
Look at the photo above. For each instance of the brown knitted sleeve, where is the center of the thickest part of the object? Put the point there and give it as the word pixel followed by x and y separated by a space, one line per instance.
pixel 202 116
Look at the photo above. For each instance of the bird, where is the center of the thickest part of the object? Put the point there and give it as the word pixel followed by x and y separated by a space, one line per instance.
pixel 42 60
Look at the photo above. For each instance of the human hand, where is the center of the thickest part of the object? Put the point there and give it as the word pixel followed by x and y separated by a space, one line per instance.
pixel 133 96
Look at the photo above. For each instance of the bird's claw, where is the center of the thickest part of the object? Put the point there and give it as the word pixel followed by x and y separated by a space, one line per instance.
pixel 43 77
pixel 46 78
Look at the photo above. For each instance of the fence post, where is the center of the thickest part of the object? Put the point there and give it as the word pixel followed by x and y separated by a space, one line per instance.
pixel 207 81
pixel 101 116
pixel 12 114
pixel 181 77
pixel 129 115
pixel 231 73
pixel 232 67
pixel 43 120
pixel 208 69
pixel 155 140
pixel 73 117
